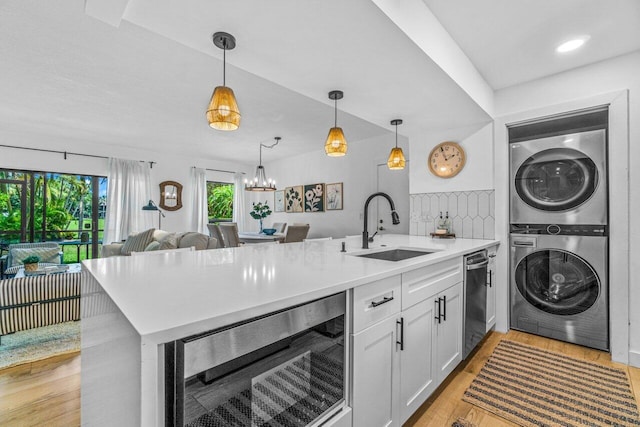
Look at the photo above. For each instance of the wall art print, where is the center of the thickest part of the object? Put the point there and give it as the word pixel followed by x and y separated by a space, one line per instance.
pixel 278 205
pixel 293 199
pixel 314 198
pixel 333 196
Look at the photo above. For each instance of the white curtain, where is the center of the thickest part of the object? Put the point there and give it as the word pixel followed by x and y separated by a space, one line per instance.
pixel 239 202
pixel 128 190
pixel 199 213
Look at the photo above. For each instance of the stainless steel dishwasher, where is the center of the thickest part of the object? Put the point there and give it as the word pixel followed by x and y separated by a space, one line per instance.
pixel 475 299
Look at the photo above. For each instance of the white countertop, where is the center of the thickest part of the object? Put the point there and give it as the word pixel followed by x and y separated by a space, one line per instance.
pixel 173 295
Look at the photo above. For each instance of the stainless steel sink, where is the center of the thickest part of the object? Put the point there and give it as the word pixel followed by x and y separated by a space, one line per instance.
pixel 395 254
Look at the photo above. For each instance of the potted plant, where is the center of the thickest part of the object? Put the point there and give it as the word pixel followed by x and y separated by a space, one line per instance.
pixel 260 211
pixel 31 263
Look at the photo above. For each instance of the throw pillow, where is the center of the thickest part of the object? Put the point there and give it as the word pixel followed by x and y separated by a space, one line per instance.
pixel 200 241
pixel 153 246
pixel 50 255
pixel 137 242
pixel 170 241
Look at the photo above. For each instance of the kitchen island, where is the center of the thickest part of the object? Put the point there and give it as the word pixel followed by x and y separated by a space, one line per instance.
pixel 132 306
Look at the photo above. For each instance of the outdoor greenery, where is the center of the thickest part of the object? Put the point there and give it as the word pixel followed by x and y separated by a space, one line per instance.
pixel 220 200
pixel 61 203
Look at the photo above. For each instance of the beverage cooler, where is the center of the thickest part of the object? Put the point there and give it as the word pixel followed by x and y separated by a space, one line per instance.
pixel 283 369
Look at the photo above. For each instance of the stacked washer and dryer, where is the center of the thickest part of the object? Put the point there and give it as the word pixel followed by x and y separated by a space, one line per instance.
pixel 559 229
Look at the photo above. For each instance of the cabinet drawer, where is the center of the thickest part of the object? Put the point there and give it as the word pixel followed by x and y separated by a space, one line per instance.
pixel 374 302
pixel 422 283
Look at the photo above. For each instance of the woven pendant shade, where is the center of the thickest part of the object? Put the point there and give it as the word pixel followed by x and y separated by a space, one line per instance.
pixel 396 159
pixel 223 112
pixel 336 144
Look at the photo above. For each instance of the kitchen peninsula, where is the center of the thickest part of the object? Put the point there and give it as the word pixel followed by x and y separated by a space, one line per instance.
pixel 131 307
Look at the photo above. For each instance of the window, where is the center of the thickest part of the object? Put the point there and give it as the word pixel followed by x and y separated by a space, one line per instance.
pixel 220 201
pixel 49 206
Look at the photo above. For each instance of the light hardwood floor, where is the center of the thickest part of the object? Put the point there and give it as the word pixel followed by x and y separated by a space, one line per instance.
pixel 48 392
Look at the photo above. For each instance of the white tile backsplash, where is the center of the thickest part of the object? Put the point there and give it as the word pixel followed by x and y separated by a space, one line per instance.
pixel 471 212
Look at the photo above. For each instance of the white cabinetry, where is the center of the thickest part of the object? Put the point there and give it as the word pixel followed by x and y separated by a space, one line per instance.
pixel 376 373
pixel 491 287
pixel 448 345
pixel 401 353
pixel 375 359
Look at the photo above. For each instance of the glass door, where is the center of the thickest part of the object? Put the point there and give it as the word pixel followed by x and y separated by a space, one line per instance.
pixel 13 208
pixel 48 206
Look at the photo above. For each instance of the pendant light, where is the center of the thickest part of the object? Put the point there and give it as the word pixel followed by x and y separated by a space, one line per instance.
pixel 260 181
pixel 223 112
pixel 336 144
pixel 396 157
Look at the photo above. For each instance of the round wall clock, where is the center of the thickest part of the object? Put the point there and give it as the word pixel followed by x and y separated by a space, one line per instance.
pixel 446 159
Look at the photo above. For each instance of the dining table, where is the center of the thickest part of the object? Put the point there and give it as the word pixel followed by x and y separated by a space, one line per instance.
pixel 257 237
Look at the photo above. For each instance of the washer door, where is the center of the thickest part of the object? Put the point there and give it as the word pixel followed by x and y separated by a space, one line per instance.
pixel 557 282
pixel 557 179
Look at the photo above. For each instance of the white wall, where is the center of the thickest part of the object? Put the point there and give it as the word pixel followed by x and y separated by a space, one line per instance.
pixel 476 175
pixel 169 166
pixel 602 83
pixel 357 171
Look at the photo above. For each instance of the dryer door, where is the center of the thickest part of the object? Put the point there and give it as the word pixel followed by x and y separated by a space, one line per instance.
pixel 557 282
pixel 556 179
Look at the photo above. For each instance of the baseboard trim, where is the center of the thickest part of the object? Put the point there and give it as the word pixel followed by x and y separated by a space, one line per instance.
pixel 634 358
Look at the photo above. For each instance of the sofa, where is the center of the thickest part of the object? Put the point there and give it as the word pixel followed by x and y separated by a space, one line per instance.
pixel 152 240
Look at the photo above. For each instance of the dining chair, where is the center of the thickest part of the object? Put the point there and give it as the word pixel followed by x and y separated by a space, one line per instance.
pixel 229 232
pixel 214 231
pixel 279 226
pixel 296 233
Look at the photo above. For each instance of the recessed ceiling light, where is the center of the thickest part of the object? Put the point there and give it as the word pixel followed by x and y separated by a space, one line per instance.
pixel 573 44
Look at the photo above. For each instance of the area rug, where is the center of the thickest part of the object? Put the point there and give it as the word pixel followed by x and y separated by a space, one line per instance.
pixel 534 387
pixel 39 343
pixel 292 394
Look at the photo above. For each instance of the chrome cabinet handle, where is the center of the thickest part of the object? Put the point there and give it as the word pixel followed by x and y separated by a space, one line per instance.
pixel 490 278
pixel 382 301
pixel 401 342
pixel 444 311
pixel 439 309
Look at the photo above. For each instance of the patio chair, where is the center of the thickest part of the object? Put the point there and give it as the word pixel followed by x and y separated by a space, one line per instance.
pixel 49 253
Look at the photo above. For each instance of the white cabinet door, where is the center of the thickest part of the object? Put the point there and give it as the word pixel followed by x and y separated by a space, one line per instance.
pixel 448 346
pixel 417 379
pixel 491 288
pixel 376 375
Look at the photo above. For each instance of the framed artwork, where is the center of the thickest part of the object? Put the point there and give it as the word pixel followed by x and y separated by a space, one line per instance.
pixel 293 199
pixel 333 196
pixel 314 198
pixel 278 204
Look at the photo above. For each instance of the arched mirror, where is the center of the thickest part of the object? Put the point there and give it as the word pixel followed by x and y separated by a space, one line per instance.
pixel 170 195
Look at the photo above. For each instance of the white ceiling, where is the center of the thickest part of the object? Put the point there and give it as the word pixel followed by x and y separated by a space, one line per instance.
pixel 514 41
pixel 146 83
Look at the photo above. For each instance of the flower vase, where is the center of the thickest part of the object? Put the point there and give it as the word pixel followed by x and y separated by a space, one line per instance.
pixel 260 225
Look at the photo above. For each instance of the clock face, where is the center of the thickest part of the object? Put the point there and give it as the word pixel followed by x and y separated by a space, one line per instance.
pixel 446 159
